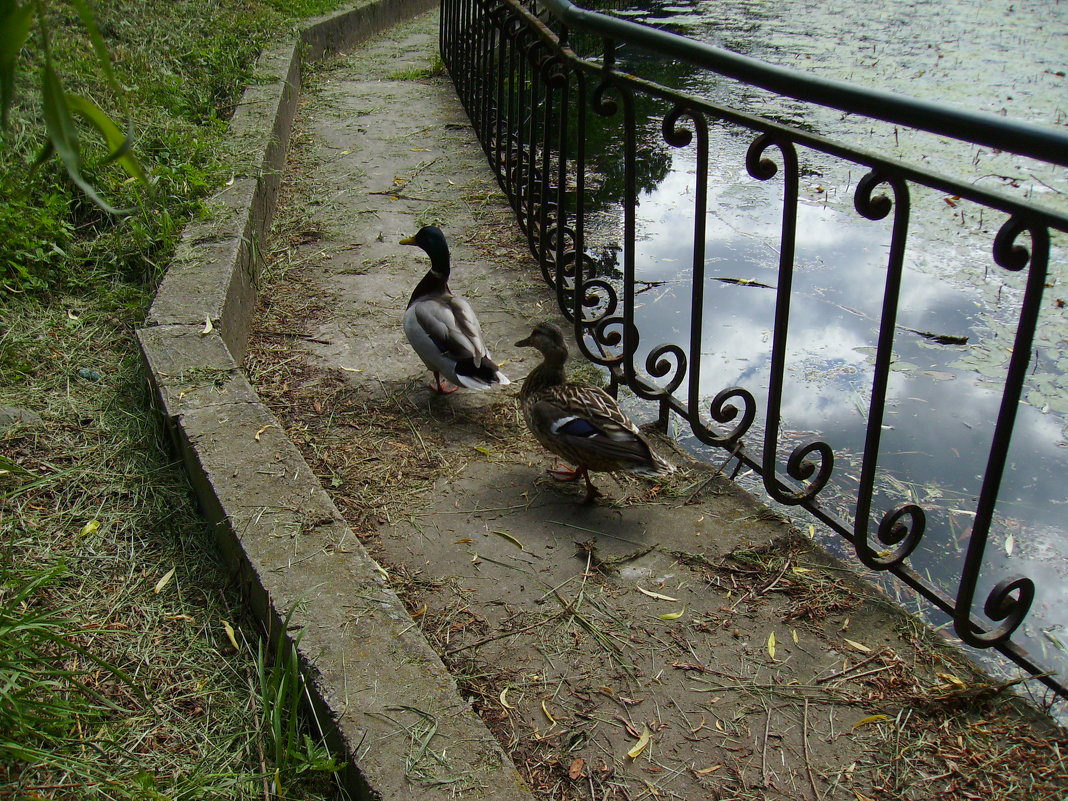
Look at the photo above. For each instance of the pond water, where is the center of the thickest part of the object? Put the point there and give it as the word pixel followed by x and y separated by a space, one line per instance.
pixel 1003 57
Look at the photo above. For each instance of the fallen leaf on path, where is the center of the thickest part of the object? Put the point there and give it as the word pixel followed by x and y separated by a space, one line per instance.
pixel 953 680
pixel 870 719
pixel 510 539
pixel 643 741
pixel 656 595
pixel 545 709
pixel 673 615
pixel 504 698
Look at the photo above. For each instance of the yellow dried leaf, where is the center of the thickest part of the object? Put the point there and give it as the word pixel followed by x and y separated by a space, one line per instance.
pixel 352 369
pixel 510 539
pixel 89 528
pixel 857 645
pixel 673 615
pixel 793 633
pixel 504 698
pixel 706 771
pixel 656 595
pixel 771 645
pixel 269 425
pixel 163 582
pixel 953 680
pixel 800 570
pixel 643 741
pixel 418 612
pixel 230 634
pixel 545 709
pixel 870 719
pixel 462 539
pixel 208 327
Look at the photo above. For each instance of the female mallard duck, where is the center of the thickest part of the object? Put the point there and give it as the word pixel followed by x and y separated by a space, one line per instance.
pixel 443 328
pixel 579 422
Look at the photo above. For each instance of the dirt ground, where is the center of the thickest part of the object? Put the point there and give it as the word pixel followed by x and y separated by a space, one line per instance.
pixel 676 640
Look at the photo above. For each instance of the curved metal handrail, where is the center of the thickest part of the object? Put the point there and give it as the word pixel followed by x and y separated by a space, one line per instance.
pixel 977 127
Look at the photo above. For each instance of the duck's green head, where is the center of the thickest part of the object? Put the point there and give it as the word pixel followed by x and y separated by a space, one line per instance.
pixel 432 240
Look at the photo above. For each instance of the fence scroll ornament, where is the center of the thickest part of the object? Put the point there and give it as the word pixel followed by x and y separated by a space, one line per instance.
pixel 534 103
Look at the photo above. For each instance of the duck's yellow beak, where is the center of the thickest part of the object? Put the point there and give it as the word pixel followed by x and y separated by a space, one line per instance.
pixel 408 241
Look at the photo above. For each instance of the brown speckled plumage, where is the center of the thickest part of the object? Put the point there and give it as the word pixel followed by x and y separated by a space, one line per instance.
pixel 578 422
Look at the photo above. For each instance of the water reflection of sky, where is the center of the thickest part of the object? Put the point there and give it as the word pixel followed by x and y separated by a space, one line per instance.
pixel 939 419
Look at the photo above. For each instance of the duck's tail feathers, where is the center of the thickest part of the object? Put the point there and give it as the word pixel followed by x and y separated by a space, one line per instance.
pixel 485 376
pixel 657 467
pixel 498 379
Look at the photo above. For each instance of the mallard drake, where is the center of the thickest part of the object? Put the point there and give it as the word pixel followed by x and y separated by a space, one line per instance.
pixel 578 422
pixel 442 327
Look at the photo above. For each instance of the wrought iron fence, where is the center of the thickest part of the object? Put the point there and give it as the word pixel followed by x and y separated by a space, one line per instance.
pixel 533 101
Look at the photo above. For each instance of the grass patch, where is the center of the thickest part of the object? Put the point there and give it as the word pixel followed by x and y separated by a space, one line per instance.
pixel 433 69
pixel 118 676
pixel 183 65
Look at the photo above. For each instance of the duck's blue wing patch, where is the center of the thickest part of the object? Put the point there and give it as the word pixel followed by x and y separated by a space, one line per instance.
pixel 578 427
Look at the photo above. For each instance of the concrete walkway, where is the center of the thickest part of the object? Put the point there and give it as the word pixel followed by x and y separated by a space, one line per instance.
pixel 468 629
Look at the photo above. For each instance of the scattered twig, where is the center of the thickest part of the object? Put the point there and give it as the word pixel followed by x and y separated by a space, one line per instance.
pixel 598 533
pixel 764 747
pixel 767 587
pixel 808 761
pixel 850 669
pixel 503 634
pixel 292 335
